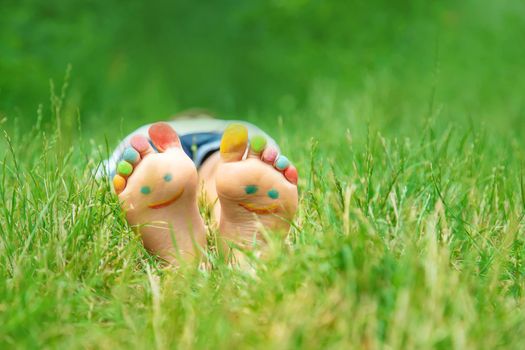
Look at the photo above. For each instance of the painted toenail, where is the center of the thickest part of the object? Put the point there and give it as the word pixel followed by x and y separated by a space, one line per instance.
pixel 140 143
pixel 269 155
pixel 291 174
pixel 145 190
pixel 282 163
pixel 251 189
pixel 130 155
pixel 168 177
pixel 257 143
pixel 273 194
pixel 119 183
pixel 124 168
pixel 233 142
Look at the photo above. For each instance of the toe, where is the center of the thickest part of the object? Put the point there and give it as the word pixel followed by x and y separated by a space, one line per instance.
pixel 131 156
pixel 257 145
pixel 269 155
pixel 289 171
pixel 119 183
pixel 234 142
pixel 141 144
pixel 124 168
pixel 291 174
pixel 281 163
pixel 163 136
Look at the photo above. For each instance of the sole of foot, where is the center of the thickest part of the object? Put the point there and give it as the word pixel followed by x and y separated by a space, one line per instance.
pixel 158 192
pixel 256 187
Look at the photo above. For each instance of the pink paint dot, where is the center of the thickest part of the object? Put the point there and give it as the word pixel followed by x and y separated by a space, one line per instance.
pixel 269 155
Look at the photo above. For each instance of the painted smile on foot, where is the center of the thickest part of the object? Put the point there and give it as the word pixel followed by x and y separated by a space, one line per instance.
pixel 164 204
pixel 261 210
pixel 156 173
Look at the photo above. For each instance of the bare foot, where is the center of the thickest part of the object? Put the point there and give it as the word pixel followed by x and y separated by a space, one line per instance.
pixel 259 192
pixel 158 192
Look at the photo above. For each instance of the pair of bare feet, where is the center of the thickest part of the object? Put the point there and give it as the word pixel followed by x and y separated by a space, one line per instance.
pixel 256 189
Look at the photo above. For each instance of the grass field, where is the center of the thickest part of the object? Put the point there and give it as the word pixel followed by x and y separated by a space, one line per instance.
pixel 404 118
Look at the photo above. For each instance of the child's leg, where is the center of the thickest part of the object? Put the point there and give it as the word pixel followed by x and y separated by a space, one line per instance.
pixel 159 194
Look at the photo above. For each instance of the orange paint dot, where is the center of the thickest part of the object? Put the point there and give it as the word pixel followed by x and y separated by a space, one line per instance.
pixel 119 183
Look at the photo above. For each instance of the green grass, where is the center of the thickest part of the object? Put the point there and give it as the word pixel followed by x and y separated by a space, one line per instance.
pixel 405 120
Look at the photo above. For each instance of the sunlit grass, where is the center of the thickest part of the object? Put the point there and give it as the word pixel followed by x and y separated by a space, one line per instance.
pixel 404 119
pixel 405 243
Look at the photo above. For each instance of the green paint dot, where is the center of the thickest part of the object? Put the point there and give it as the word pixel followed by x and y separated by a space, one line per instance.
pixel 124 168
pixel 251 189
pixel 168 177
pixel 145 189
pixel 257 143
pixel 273 194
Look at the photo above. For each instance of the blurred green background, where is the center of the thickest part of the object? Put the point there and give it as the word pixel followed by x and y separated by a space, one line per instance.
pixel 315 64
pixel 410 227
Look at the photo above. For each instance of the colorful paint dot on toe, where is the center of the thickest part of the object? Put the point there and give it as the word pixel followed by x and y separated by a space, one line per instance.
pixel 282 163
pixel 140 143
pixel 291 174
pixel 273 194
pixel 119 183
pixel 233 142
pixel 269 155
pixel 257 143
pixel 163 136
pixel 130 155
pixel 168 177
pixel 251 189
pixel 145 190
pixel 124 168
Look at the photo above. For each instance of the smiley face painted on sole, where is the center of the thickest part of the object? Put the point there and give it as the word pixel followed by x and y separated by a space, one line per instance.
pixel 167 202
pixel 159 183
pixel 157 189
pixel 255 187
pixel 146 191
pixel 256 203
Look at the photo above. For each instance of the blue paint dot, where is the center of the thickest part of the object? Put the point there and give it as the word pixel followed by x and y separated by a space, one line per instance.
pixel 273 194
pixel 168 177
pixel 145 190
pixel 130 155
pixel 282 163
pixel 251 189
